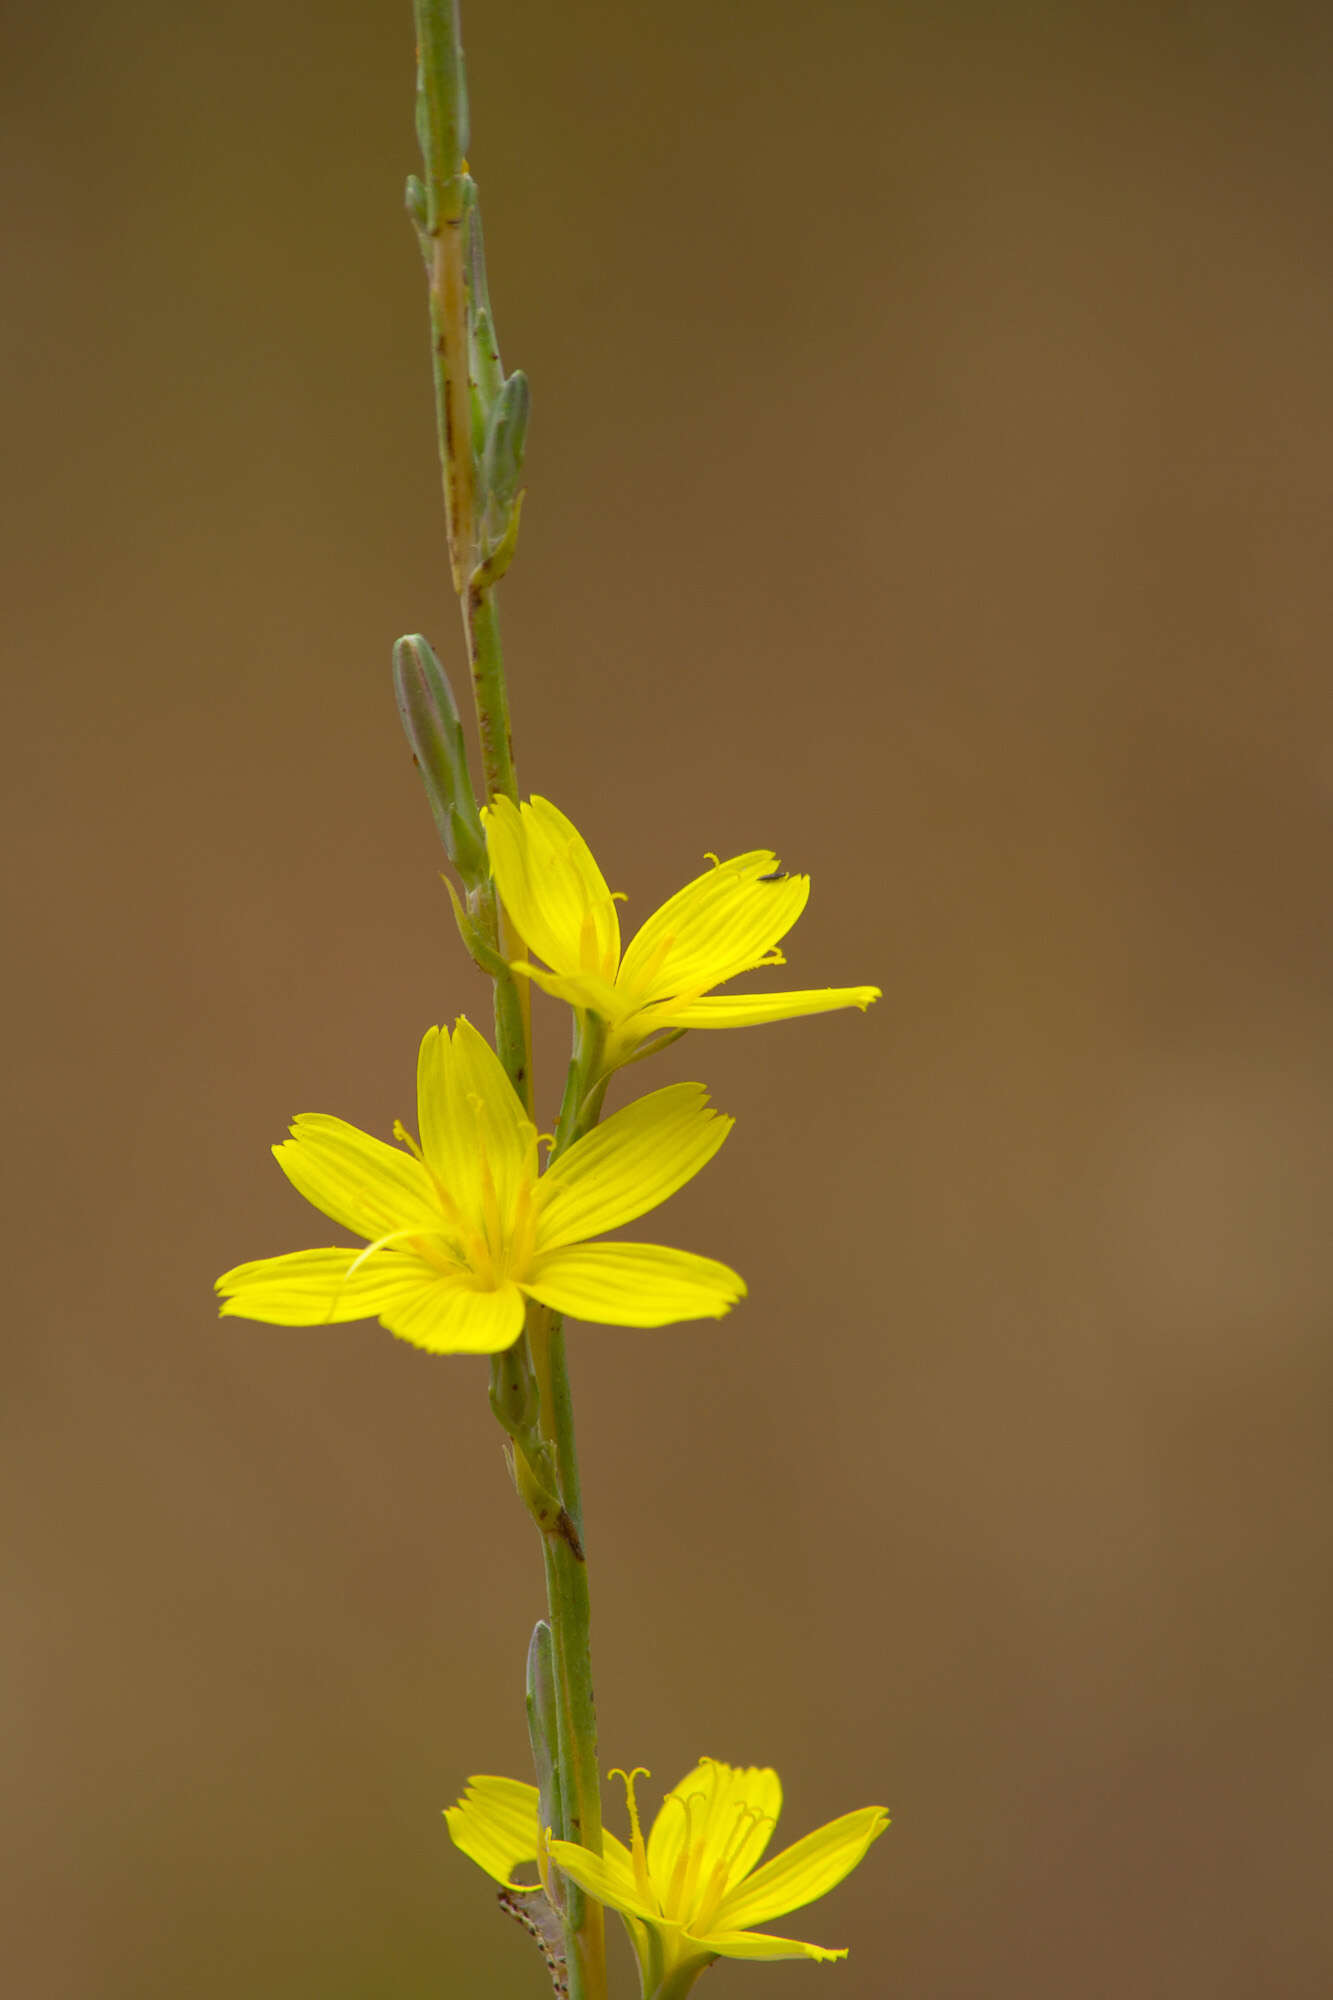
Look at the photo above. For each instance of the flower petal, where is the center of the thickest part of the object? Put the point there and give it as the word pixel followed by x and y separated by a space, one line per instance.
pixel 809 1868
pixel 746 1010
pixel 449 1316
pixel 552 888
pixel 708 1805
pixel 608 1877
pixel 475 1135
pixel 629 1164
pixel 496 1824
pixel 358 1181
pixel 758 1944
pixel 577 989
pixel 319 1287
pixel 633 1284
pixel 721 923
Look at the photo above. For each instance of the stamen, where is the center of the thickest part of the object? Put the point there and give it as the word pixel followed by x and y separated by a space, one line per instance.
pixel 747 1819
pixel 452 1214
pixel 404 1138
pixel 682 1875
pixel 394 1236
pixel 637 1849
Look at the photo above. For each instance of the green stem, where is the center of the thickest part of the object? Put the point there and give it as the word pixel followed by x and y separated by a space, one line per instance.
pixel 442 128
pixel 566 1564
pixel 481 624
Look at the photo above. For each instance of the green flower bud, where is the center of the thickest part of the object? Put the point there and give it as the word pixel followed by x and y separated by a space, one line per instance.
pixel 502 461
pixel 514 1393
pixel 484 348
pixel 542 1726
pixel 431 722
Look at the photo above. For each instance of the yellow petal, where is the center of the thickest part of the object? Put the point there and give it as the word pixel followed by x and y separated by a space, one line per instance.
pixel 586 990
pixel 358 1181
pixel 447 1316
pixel 746 1010
pixel 319 1287
pixel 475 1135
pixel 495 1824
pixel 608 1877
pixel 633 1284
pixel 808 1869
pixel 722 923
pixel 757 1944
pixel 709 1804
pixel 500 1128
pixel 629 1164
pixel 552 888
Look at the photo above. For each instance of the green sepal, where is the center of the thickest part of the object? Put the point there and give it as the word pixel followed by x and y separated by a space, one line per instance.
pixel 514 1393
pixel 533 1475
pixel 506 437
pixel 497 562
pixel 434 732
pixel 475 940
pixel 416 203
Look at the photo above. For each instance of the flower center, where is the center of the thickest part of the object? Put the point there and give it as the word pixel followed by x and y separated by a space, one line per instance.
pixel 707 1861
pixel 495 1248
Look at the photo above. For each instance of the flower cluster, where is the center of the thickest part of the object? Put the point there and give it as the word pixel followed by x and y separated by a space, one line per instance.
pixel 459 1227
pixel 462 1227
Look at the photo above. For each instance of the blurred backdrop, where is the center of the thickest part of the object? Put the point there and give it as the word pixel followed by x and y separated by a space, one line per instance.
pixel 928 479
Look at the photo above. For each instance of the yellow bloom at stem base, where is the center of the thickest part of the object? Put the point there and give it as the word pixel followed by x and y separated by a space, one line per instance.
pixel 725 922
pixel 461 1229
pixel 691 1892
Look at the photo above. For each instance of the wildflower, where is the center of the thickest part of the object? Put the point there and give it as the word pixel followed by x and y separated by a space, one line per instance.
pixel 462 1227
pixel 692 1891
pixel 727 921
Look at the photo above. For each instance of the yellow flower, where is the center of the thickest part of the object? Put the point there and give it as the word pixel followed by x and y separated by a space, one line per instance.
pixel 727 921
pixel 462 1227
pixel 692 1891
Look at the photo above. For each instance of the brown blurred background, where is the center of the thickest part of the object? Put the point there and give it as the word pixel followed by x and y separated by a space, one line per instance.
pixel 929 479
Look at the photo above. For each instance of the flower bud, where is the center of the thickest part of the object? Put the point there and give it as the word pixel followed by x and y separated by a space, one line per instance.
pixel 430 719
pixel 484 348
pixel 514 1394
pixel 502 460
pixel 540 1698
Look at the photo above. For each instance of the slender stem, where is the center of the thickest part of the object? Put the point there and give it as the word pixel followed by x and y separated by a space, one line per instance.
pixel 482 626
pixel 442 128
pixel 566 1565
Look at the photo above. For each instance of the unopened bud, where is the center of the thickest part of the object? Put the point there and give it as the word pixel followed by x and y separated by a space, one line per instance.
pixel 502 461
pixel 540 1697
pixel 514 1394
pixel 431 721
